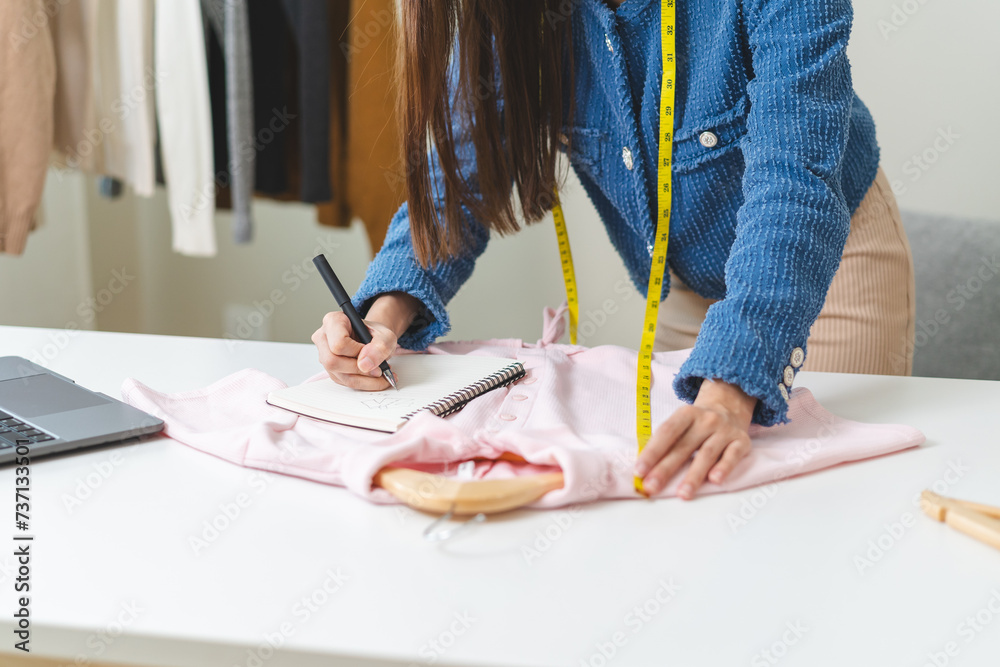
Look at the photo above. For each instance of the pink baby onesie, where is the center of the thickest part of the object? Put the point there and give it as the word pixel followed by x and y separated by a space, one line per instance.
pixel 574 411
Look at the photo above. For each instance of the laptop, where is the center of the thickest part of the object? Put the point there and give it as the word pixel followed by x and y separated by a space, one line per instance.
pixel 49 413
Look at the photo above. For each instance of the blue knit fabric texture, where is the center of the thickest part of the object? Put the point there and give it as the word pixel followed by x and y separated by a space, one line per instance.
pixel 759 216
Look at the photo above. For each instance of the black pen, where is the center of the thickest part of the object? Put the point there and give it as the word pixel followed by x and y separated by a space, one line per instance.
pixel 344 301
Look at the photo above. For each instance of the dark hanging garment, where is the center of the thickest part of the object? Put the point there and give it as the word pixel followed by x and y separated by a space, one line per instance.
pixel 309 20
pixel 231 92
pixel 217 95
pixel 269 54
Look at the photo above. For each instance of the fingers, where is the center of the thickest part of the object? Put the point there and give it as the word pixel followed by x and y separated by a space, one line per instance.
pixel 381 347
pixel 362 382
pixel 706 457
pixel 333 363
pixel 735 452
pixel 696 434
pixel 663 439
pixel 339 352
pixel 717 439
pixel 339 335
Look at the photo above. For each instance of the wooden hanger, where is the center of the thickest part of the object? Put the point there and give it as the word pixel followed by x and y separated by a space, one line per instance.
pixel 979 521
pixel 437 494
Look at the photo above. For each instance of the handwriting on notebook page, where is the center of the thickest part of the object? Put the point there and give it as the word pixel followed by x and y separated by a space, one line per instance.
pixel 387 403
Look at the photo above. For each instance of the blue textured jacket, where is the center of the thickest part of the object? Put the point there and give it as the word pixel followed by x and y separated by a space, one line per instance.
pixel 760 215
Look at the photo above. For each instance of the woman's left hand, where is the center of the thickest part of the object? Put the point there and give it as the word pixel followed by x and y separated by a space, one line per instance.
pixel 715 427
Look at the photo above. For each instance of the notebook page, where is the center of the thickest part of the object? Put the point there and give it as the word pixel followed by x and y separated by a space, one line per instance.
pixel 423 379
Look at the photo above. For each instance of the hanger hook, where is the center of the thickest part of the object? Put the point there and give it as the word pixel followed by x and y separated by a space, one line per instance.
pixel 432 533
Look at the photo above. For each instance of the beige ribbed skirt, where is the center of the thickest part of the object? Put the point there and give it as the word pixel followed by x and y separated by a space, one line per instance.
pixel 867 321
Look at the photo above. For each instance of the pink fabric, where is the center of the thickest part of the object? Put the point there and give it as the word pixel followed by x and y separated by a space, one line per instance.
pixel 573 411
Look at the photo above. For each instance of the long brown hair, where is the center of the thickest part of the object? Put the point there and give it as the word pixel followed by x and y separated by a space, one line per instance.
pixel 526 42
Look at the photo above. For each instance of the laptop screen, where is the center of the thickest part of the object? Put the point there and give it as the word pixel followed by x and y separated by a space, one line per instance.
pixel 38 395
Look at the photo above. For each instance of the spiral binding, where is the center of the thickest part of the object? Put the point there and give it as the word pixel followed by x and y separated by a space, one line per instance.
pixel 456 401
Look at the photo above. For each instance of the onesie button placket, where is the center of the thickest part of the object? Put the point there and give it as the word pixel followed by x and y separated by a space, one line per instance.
pixel 515 407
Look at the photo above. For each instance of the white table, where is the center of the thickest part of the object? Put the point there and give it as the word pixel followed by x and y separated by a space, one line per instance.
pixel 116 580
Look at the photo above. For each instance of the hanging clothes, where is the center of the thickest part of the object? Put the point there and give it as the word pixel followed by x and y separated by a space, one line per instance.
pixel 325 105
pixel 309 20
pixel 571 412
pixel 184 115
pixel 232 108
pixel 366 166
pixel 105 119
pixel 75 106
pixel 134 110
pixel 270 37
pixel 291 61
pixel 337 211
pixel 27 95
pixel 106 58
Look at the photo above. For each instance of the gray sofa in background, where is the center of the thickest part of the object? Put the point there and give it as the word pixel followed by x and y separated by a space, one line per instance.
pixel 957 267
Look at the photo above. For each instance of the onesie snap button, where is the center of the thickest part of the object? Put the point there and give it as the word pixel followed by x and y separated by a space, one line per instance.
pixel 519 397
pixel 529 380
pixel 508 418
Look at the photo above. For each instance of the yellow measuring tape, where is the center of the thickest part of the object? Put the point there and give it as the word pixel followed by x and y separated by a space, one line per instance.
pixel 569 275
pixel 644 376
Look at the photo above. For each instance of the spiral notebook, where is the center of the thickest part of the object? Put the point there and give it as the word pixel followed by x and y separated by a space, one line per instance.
pixel 439 383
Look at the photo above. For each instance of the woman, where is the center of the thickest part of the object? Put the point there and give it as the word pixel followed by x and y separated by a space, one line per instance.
pixel 775 181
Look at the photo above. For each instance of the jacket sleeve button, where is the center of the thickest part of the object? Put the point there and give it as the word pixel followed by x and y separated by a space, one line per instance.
pixel 708 139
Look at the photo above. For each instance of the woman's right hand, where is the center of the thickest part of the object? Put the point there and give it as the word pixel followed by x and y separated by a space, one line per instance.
pixel 349 362
pixel 355 365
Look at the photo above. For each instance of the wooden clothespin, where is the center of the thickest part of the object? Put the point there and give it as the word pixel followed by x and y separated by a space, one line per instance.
pixel 979 521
